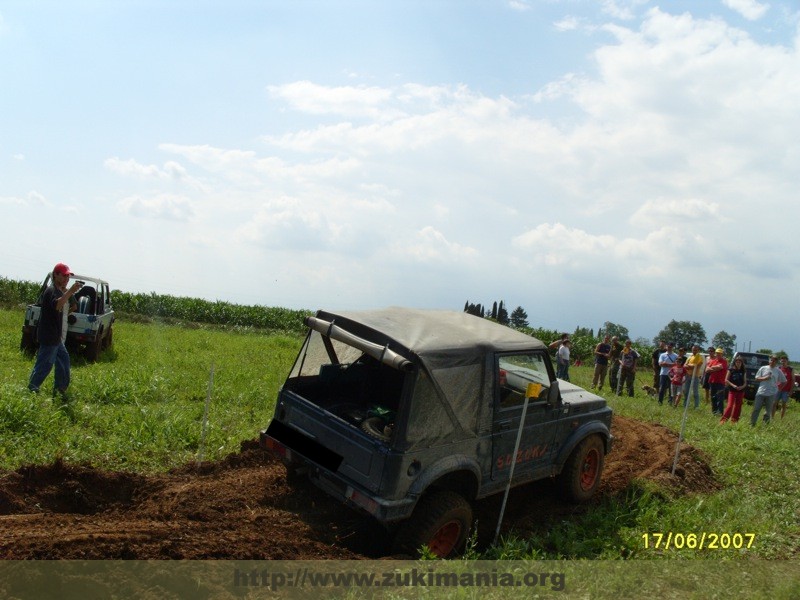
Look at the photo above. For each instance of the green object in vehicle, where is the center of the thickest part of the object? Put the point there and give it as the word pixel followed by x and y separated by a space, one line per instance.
pixel 382 412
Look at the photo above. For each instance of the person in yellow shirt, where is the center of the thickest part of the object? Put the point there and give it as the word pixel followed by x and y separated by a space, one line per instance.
pixel 695 365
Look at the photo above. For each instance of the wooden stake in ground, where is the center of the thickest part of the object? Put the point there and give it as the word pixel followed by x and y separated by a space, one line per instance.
pixel 205 415
pixel 683 424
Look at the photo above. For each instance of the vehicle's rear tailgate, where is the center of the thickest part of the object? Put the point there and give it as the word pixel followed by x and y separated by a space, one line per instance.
pixel 326 441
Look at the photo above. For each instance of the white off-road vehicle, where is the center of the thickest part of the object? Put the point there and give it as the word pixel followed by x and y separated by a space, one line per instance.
pixel 89 325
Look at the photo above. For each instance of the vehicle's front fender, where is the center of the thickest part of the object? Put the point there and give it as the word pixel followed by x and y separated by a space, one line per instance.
pixel 577 436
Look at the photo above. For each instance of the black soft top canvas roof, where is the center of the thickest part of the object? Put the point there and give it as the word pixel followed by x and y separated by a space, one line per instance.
pixel 432 333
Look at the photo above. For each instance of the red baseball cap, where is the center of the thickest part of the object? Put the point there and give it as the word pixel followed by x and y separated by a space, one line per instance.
pixel 62 269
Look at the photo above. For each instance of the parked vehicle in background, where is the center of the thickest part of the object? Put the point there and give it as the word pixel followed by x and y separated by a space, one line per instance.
pixel 412 415
pixel 753 361
pixel 796 390
pixel 90 326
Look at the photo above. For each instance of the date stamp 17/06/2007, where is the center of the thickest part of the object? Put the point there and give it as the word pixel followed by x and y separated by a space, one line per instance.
pixel 704 540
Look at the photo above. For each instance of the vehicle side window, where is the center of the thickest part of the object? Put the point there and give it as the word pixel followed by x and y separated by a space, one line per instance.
pixel 517 374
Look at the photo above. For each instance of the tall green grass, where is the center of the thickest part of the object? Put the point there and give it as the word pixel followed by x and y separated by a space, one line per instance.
pixel 141 405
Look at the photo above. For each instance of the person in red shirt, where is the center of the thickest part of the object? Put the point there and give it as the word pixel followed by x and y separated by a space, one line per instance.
pixel 717 369
pixel 785 390
pixel 677 375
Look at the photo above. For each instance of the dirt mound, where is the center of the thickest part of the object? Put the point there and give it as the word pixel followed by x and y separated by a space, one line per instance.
pixel 242 507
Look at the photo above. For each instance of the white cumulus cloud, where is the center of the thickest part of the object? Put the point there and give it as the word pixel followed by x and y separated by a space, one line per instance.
pixel 655 212
pixel 430 245
pixel 159 206
pixel 751 10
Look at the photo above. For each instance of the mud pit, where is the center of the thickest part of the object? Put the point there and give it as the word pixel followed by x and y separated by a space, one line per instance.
pixel 242 507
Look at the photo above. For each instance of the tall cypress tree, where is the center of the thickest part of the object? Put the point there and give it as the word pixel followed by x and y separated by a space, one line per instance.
pixel 502 314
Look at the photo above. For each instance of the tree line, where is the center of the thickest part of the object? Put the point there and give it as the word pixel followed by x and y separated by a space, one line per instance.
pixel 683 334
pixel 584 340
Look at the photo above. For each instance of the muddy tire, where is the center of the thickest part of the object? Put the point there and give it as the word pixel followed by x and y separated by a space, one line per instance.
pixel 28 342
pixel 108 341
pixel 440 521
pixel 375 427
pixel 581 475
pixel 94 348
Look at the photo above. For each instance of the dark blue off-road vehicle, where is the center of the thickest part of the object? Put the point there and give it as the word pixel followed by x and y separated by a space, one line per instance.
pixel 412 415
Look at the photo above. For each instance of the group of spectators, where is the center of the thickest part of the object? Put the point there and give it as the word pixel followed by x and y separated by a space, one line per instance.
pixel 677 376
pixel 618 361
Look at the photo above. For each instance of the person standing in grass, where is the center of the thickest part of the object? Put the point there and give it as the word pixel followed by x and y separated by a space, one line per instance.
pixel 694 373
pixel 665 362
pixel 602 352
pixel 735 381
pixel 52 351
pixel 706 375
pixel 785 390
pixel 562 360
pixel 770 378
pixel 660 349
pixel 557 343
pixel 627 368
pixel 677 375
pixel 717 368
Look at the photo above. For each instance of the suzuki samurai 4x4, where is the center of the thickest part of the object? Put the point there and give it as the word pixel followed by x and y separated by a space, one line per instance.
pixel 412 415
pixel 89 325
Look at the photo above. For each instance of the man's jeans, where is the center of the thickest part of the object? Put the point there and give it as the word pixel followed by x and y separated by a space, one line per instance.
pixel 693 384
pixel 717 397
pixel 599 377
pixel 46 357
pixel 664 388
pixel 766 402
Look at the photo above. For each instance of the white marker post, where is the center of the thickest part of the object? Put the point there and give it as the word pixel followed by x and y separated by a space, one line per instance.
pixel 533 390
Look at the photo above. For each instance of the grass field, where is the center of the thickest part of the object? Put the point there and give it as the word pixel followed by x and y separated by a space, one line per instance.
pixel 757 467
pixel 141 407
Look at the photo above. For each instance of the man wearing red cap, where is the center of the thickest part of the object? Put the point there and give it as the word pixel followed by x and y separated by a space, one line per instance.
pixel 51 347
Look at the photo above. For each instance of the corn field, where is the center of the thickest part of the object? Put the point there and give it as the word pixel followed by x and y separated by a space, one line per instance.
pixel 161 306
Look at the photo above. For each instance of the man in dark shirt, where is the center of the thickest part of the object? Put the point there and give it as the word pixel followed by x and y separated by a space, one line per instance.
pixel 602 352
pixel 661 347
pixel 51 347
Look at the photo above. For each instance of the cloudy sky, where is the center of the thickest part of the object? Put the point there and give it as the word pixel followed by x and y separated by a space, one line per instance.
pixel 629 161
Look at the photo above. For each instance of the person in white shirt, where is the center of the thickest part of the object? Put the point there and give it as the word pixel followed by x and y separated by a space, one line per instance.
pixel 562 360
pixel 770 378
